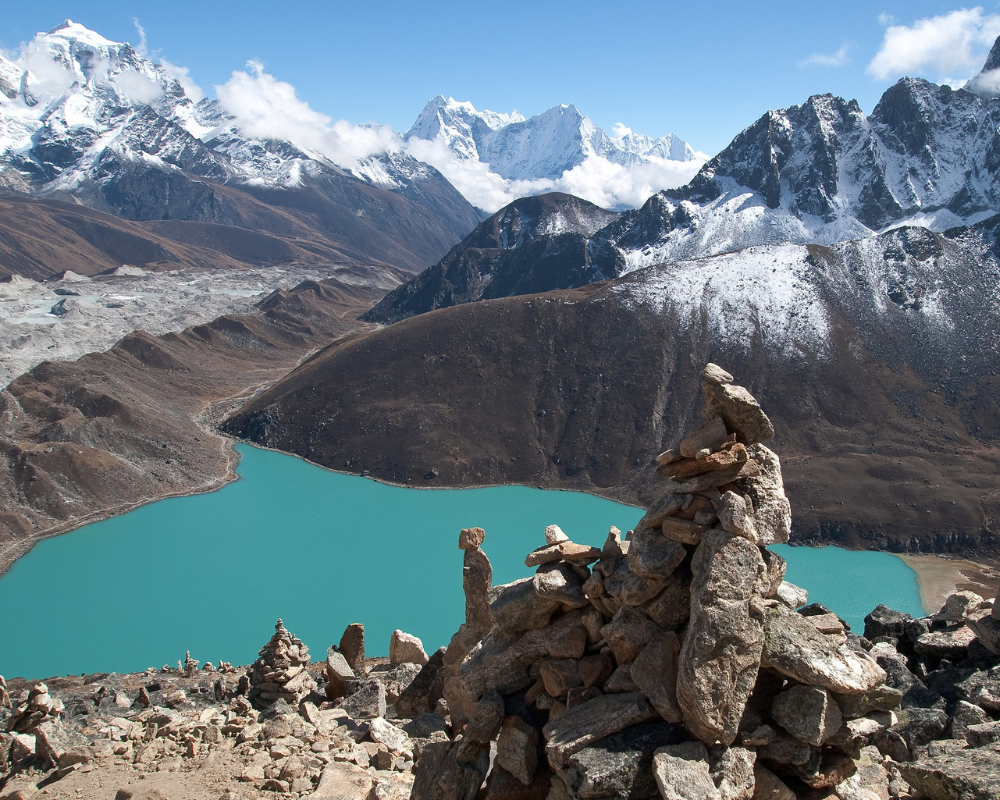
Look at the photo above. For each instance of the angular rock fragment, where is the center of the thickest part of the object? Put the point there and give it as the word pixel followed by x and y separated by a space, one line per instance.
pixel 517 606
pixel 565 551
pixel 628 633
pixel 654 672
pixel 795 648
pixel 682 772
pixel 352 645
pixel 425 690
pixel 517 749
pixel 340 678
pixel 721 653
pixel 405 648
pixel 620 765
pixel 765 489
pixel 956 774
pixel 554 535
pixel 366 701
pixel 739 410
pixel 560 583
pixel 653 556
pixel 681 530
pixel 591 721
pixel 732 771
pixel 736 516
pixel 809 713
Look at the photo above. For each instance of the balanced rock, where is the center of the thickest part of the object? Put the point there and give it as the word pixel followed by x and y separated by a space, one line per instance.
pixel 738 409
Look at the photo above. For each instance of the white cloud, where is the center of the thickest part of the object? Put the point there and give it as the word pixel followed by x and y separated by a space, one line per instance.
pixel 838 59
pixel 885 19
pixel 137 86
pixel 142 48
pixel 183 76
pixel 620 131
pixel 266 108
pixel 596 179
pixel 950 43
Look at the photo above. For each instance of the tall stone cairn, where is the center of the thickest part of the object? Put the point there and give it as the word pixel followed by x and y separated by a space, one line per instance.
pixel 280 673
pixel 669 662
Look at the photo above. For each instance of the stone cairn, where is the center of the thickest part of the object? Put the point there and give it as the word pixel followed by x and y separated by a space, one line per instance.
pixel 676 665
pixel 280 673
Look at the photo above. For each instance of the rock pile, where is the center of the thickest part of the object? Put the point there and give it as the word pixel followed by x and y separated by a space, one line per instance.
pixel 675 664
pixel 279 673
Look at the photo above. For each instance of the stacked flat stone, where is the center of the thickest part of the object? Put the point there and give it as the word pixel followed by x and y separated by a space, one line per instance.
pixel 669 662
pixel 280 673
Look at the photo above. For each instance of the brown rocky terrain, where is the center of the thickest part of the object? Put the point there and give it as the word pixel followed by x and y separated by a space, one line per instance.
pixel 674 663
pixel 579 389
pixel 86 439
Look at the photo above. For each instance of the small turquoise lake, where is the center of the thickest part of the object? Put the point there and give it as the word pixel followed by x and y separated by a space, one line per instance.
pixel 210 573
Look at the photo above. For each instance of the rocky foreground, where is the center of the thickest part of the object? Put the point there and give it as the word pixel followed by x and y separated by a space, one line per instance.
pixel 671 663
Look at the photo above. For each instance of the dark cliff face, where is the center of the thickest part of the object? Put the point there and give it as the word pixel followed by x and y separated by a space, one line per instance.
pixel 887 426
pixel 535 244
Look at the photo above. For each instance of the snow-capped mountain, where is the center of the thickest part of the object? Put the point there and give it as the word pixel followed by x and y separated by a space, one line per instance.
pixel 541 147
pixel 550 151
pixel 84 116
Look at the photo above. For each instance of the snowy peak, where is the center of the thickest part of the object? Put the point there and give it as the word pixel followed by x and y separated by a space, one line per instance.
pixel 541 147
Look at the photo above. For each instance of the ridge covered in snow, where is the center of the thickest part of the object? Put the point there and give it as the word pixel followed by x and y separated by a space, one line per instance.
pixel 493 157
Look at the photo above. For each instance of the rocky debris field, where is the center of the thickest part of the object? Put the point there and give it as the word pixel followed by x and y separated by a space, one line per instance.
pixel 673 663
pixel 60 320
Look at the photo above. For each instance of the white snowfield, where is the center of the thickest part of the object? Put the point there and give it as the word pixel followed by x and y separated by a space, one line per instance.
pixel 105 308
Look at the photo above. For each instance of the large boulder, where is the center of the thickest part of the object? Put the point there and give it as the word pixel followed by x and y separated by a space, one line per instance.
pixel 720 657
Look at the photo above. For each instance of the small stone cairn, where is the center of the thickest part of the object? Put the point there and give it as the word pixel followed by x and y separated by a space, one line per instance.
pixel 279 673
pixel 675 665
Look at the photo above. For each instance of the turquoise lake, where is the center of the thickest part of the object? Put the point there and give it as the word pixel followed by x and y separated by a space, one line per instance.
pixel 211 573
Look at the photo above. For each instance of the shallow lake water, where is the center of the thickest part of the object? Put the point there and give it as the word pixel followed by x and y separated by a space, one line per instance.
pixel 211 573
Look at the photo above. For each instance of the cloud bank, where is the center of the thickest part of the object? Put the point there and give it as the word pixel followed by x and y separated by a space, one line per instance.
pixel 264 107
pixel 951 43
pixel 596 179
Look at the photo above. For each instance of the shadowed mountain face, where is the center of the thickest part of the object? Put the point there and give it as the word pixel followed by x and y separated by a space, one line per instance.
pixel 86 439
pixel 874 359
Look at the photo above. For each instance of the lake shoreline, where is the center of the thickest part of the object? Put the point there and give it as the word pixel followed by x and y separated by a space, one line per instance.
pixel 938 576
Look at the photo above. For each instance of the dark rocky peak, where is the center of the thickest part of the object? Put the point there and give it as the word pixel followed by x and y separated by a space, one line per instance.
pixel 907 114
pixel 993 59
pixel 529 218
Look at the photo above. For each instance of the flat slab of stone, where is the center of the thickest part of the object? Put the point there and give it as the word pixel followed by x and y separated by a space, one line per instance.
pixel 956 774
pixel 563 551
pixel 797 650
pixel 591 721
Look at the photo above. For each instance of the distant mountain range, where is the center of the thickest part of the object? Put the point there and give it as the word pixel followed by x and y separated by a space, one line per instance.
pixel 92 121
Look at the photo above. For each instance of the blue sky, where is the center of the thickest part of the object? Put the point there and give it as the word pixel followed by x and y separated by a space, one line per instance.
pixel 703 72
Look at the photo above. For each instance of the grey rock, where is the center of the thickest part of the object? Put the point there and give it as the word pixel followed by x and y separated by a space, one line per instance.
pixel 424 725
pixel 768 786
pixel 958 605
pixel 987 629
pixel 952 643
pixel 732 770
pixel 772 512
pixel 652 555
pixel 366 701
pixel 457 771
pixel 713 373
pixel 560 583
pixel 591 721
pixel 671 608
pixel 797 650
pixel 477 580
pixel 785 749
pixel 964 716
pixel 735 515
pixel 425 690
pixel 339 781
pixel 881 698
pixel 738 409
pixel 54 742
pixel 720 656
pixel 825 769
pixel 352 645
pixel 405 648
pixel 620 765
pixel 790 595
pixel 682 772
pixel 340 678
pixel 630 589
pixel 654 672
pixel 518 607
pixel 919 726
pixel 666 506
pixel 517 749
pixel 776 567
pixel 884 624
pixel 982 735
pixel 956 774
pixel 628 633
pixel 809 713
